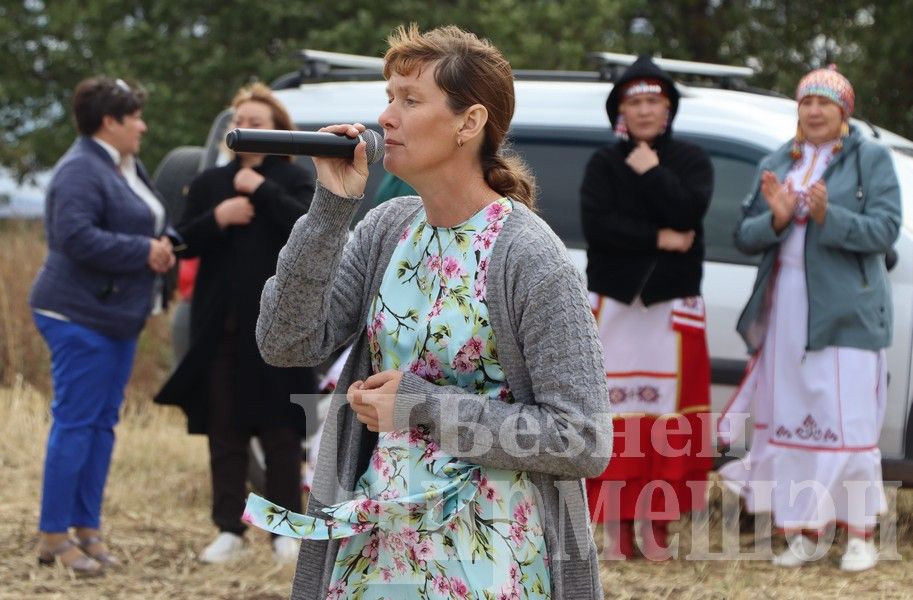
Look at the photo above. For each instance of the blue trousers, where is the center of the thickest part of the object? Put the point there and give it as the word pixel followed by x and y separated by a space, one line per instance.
pixel 89 372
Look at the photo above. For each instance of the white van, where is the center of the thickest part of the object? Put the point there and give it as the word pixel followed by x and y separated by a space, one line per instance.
pixel 560 121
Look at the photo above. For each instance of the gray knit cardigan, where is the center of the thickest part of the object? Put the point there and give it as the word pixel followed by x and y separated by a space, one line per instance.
pixel 559 429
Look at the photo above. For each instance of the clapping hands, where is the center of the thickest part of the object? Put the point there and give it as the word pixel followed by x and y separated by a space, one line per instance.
pixel 817 202
pixel 780 198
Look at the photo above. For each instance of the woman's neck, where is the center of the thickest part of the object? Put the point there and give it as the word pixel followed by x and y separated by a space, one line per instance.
pixel 824 144
pixel 451 201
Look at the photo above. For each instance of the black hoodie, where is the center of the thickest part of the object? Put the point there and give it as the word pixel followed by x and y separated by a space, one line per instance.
pixel 622 211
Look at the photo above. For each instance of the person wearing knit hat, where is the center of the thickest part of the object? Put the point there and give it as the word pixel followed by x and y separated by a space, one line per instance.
pixel 643 199
pixel 823 212
pixel 824 85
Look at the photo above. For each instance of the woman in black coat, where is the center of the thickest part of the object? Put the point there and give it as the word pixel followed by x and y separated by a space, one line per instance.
pixel 237 219
pixel 643 199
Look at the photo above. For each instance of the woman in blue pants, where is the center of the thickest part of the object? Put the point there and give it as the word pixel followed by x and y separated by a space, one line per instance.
pixel 107 249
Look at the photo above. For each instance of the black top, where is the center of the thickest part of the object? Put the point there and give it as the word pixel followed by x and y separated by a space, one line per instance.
pixel 234 265
pixel 623 211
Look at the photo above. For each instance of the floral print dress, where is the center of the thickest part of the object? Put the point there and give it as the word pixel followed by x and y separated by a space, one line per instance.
pixel 436 526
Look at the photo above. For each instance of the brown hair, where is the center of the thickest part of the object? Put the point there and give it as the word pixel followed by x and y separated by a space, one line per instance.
pixel 260 92
pixel 97 97
pixel 470 71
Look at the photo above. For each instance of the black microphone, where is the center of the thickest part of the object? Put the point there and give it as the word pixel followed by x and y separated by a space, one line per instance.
pixel 310 143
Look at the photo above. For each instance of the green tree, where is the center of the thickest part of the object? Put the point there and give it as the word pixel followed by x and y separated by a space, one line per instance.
pixel 189 63
pixel 784 39
pixel 882 70
pixel 192 55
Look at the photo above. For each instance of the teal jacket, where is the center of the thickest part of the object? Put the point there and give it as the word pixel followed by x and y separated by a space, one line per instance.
pixel 849 296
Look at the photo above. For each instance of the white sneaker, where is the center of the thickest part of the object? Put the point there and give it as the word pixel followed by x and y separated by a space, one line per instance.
pixel 800 551
pixel 285 550
pixel 859 556
pixel 225 548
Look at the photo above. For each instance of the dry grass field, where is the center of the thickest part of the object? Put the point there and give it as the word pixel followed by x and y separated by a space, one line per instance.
pixel 157 501
pixel 157 507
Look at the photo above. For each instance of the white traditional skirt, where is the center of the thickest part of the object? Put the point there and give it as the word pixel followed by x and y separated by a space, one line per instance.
pixel 658 379
pixel 816 417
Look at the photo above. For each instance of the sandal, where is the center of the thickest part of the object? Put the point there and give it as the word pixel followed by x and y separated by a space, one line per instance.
pixel 81 565
pixel 104 557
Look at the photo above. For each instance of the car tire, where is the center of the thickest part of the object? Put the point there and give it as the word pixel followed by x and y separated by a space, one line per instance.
pixel 173 177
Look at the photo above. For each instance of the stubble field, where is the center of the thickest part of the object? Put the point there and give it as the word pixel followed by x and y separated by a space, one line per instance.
pixel 156 512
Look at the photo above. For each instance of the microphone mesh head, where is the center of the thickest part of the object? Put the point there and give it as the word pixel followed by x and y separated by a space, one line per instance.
pixel 375 145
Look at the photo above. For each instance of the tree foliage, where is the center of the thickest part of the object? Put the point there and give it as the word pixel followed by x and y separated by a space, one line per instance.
pixel 193 55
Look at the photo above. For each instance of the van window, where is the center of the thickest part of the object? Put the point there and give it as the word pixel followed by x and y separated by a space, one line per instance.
pixel 558 165
pixel 732 178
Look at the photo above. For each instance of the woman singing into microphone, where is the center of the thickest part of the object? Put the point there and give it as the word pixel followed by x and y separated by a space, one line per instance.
pixel 475 398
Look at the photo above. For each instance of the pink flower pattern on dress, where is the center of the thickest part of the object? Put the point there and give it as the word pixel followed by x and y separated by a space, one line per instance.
pixel 424 550
pixel 480 286
pixel 522 512
pixel 495 211
pixel 517 534
pixel 428 367
pixel 459 588
pixel 451 268
pixel 337 590
pixel 486 490
pixel 436 308
pixel 468 356
pixel 362 527
pixel 441 584
pixel 430 319
pixel 369 550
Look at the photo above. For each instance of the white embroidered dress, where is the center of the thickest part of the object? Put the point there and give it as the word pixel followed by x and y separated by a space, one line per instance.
pixel 814 456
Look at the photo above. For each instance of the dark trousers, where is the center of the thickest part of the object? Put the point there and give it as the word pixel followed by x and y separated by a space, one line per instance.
pixel 228 451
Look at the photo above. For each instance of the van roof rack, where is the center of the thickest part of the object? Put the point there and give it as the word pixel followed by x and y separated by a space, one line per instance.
pixel 320 65
pixel 555 75
pixel 611 65
pixel 325 59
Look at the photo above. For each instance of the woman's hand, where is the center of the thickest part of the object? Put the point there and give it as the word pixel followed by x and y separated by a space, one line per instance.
pixel 344 176
pixel 674 241
pixel 817 202
pixel 236 210
pixel 780 198
pixel 161 255
pixel 247 181
pixel 374 399
pixel 642 158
